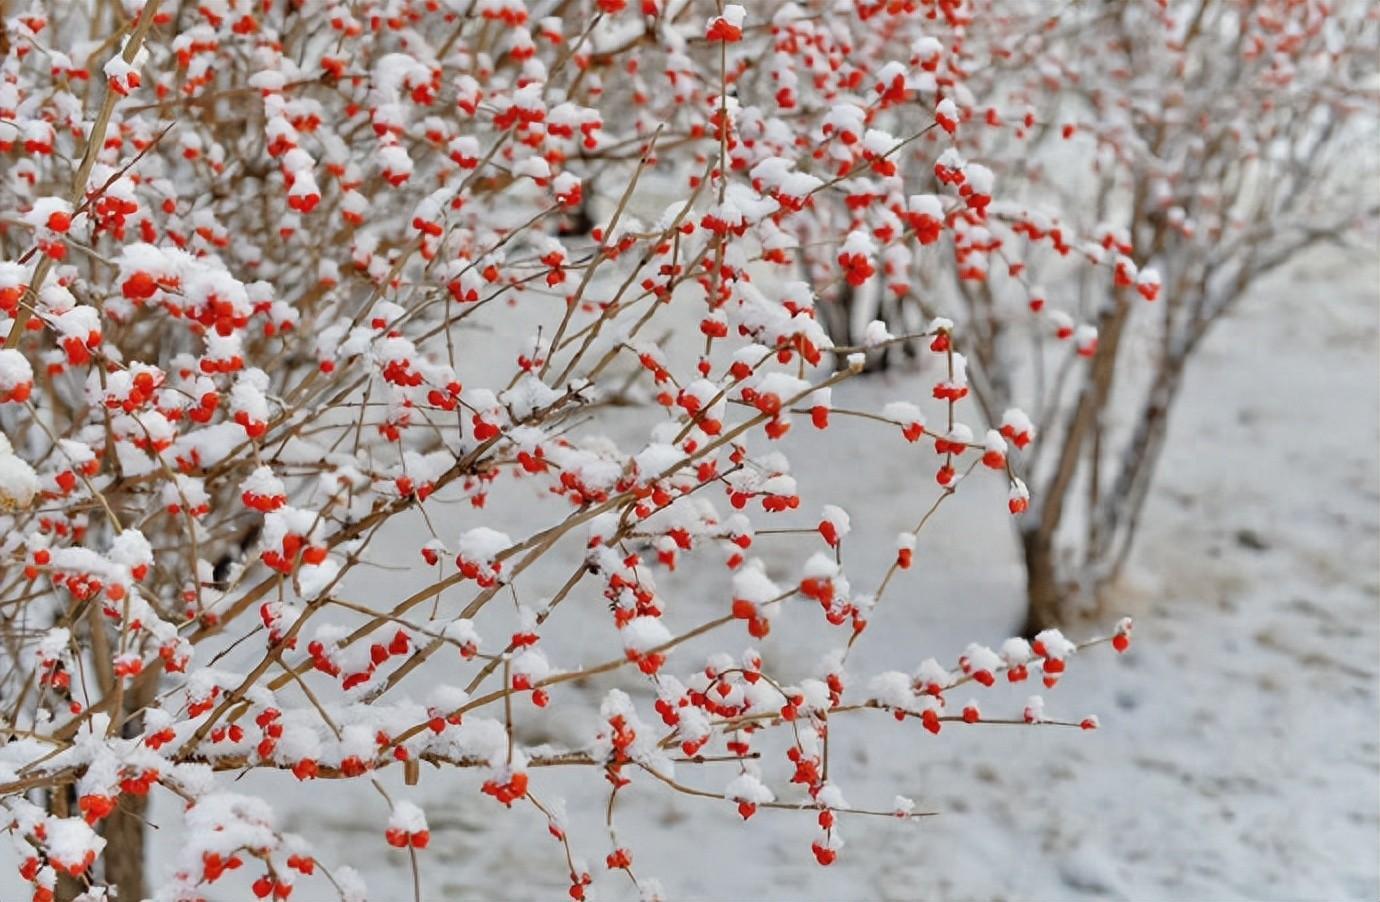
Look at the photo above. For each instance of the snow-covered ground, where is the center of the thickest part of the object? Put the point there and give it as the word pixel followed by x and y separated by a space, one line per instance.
pixel 1239 754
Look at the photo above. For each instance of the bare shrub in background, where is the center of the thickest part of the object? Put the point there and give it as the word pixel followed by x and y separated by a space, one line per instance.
pixel 1193 148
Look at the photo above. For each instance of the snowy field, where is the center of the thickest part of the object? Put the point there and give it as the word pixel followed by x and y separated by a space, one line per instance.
pixel 1239 754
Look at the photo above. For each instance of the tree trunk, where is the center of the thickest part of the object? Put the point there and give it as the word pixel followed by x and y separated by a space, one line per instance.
pixel 1043 594
pixel 68 887
pixel 1134 485
pixel 125 829
pixel 60 803
pixel 124 849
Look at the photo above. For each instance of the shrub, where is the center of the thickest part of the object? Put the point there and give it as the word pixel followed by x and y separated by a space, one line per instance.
pixel 281 276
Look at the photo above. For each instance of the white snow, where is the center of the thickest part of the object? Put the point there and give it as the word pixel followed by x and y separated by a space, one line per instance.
pixel 18 482
pixel 482 544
